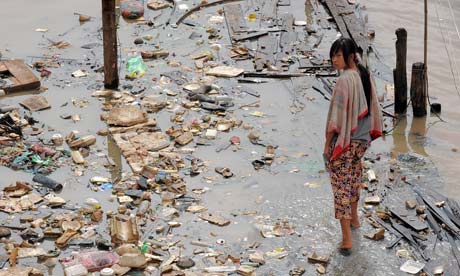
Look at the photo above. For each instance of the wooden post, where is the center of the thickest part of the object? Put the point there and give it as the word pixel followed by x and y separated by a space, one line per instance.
pixel 425 49
pixel 400 74
pixel 109 31
pixel 418 89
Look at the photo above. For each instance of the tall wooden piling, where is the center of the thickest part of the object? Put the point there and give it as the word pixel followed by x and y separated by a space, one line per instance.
pixel 109 31
pixel 418 89
pixel 399 73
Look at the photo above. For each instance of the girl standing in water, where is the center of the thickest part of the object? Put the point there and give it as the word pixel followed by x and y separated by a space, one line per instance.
pixel 353 121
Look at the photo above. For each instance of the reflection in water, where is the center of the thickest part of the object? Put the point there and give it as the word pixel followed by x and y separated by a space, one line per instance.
pixel 115 155
pixel 417 135
pixel 399 137
pixel 414 141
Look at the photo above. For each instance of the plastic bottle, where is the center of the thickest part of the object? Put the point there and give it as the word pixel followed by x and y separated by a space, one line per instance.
pixel 92 202
pixel 47 182
pixel 144 248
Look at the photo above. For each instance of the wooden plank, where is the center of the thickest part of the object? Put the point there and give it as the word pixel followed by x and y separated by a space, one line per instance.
pixel 356 31
pixel 348 23
pixel 287 41
pixel 22 77
pixel 452 243
pixel 214 219
pixel 411 221
pixel 334 10
pixel 308 12
pixel 437 212
pixel 250 35
pixel 235 21
pixel 284 3
pixel 268 13
pixel 201 6
pixel 35 103
pixel 20 71
pixel 287 22
pixel 408 235
pixel 431 221
pixel 266 51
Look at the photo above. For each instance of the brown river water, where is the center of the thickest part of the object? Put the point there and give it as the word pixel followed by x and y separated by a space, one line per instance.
pixel 426 136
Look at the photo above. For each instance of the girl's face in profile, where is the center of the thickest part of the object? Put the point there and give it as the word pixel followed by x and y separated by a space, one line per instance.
pixel 338 61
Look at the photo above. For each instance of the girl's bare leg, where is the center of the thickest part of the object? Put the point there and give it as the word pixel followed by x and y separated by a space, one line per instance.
pixel 346 233
pixel 354 215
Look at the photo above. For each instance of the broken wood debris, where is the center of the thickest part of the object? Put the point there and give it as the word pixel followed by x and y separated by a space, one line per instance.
pixel 16 76
pixel 348 24
pixel 214 219
pixel 266 53
pixel 202 5
pixel 35 103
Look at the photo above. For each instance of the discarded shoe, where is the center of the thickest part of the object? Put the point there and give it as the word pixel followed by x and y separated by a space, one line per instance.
pixel 258 164
pixel 269 155
pixel 225 172
pixel 4 232
pixel 297 271
pixel 195 167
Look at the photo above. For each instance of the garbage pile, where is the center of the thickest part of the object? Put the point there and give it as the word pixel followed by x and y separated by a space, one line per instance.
pixel 31 156
pixel 422 222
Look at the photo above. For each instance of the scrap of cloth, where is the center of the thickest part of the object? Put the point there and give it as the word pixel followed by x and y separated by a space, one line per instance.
pixel 348 105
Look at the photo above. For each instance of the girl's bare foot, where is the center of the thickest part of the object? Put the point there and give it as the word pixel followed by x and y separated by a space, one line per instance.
pixel 344 249
pixel 345 245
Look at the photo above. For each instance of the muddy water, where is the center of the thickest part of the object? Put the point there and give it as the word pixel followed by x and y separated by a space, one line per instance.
pixel 426 136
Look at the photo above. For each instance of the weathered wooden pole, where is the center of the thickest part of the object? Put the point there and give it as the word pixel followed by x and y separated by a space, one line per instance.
pixel 425 44
pixel 425 49
pixel 418 89
pixel 400 74
pixel 109 32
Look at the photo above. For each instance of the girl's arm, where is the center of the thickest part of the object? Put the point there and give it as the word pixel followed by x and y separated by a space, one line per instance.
pixel 329 136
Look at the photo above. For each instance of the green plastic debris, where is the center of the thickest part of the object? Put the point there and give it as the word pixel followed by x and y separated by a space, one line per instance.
pixel 144 248
pixel 135 67
pixel 36 159
pixel 23 157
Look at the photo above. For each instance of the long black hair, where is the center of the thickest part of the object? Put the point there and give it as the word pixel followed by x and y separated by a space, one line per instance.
pixel 349 47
